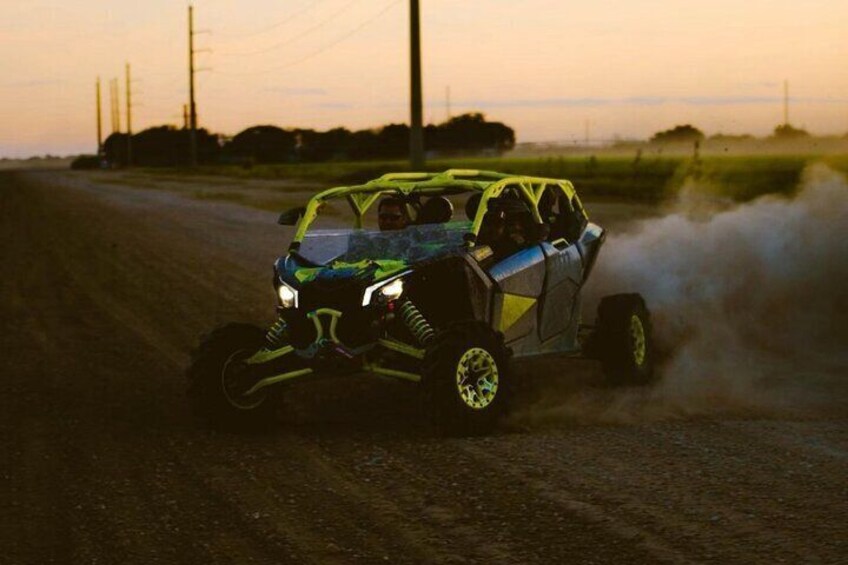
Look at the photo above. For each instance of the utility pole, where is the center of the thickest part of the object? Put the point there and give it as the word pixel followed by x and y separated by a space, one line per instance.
pixel 785 102
pixel 185 116
pixel 586 133
pixel 113 99
pixel 99 122
pixel 112 105
pixel 192 139
pixel 129 118
pixel 416 132
pixel 117 105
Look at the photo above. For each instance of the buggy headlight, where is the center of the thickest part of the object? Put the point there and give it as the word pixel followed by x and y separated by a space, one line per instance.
pixel 288 296
pixel 393 290
pixel 388 290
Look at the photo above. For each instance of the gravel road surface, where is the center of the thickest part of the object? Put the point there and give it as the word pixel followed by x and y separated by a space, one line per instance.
pixel 105 290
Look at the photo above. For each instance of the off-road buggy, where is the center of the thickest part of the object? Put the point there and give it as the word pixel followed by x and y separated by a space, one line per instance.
pixel 447 304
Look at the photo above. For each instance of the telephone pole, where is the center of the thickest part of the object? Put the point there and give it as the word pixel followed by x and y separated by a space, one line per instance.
pixel 117 106
pixel 185 116
pixel 114 101
pixel 99 122
pixel 192 139
pixel 785 102
pixel 112 105
pixel 416 133
pixel 129 118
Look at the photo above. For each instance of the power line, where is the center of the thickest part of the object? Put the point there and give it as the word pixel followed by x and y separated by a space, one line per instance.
pixel 319 51
pixel 308 8
pixel 297 37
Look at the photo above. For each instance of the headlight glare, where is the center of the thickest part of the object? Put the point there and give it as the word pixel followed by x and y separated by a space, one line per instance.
pixel 386 290
pixel 393 290
pixel 288 296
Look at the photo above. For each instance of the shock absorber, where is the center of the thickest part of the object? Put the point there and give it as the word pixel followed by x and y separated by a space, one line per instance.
pixel 276 333
pixel 416 322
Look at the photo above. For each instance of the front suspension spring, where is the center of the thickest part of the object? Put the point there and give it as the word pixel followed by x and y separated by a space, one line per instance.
pixel 416 322
pixel 277 333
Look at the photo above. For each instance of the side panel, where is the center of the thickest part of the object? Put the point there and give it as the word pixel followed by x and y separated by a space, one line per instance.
pixel 564 276
pixel 589 245
pixel 519 281
pixel 480 289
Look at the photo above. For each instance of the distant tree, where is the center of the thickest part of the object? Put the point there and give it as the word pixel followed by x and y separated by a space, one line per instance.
pixel 162 146
pixel 115 149
pixel 323 146
pixel 678 134
pixel 83 162
pixel 393 141
pixel 263 144
pixel 169 146
pixel 364 144
pixel 470 133
pixel 731 137
pixel 786 131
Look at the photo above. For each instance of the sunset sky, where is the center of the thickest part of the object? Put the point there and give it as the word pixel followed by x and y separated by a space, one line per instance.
pixel 545 67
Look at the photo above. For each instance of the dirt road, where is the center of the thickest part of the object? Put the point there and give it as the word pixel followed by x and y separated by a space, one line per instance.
pixel 105 290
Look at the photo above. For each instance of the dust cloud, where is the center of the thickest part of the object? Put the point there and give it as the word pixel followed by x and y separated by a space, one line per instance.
pixel 749 306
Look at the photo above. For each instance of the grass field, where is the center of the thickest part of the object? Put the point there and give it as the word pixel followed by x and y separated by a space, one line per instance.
pixel 648 179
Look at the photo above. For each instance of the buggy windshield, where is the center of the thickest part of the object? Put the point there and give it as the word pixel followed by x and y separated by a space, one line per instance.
pixel 412 244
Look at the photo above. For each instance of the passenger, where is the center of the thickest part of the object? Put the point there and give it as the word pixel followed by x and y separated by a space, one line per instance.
pixel 507 227
pixel 392 214
pixel 436 210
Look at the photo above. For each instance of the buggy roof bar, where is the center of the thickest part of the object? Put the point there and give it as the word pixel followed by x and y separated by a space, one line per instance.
pixel 491 184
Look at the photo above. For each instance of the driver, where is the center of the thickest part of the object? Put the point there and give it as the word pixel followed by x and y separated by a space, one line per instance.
pixel 392 214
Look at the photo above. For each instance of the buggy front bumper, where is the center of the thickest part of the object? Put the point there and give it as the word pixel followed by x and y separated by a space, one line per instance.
pixel 327 356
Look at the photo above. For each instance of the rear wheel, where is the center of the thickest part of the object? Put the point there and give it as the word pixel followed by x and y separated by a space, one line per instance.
pixel 466 376
pixel 217 380
pixel 623 340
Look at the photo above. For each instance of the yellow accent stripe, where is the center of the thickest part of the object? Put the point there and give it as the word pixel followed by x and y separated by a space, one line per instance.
pixel 402 348
pixel 263 355
pixel 514 307
pixel 319 328
pixel 277 379
pixel 376 369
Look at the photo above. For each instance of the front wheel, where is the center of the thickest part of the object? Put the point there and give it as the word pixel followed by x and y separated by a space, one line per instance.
pixel 466 375
pixel 216 387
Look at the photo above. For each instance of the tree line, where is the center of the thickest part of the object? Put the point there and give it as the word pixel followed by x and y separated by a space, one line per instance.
pixel 688 133
pixel 264 144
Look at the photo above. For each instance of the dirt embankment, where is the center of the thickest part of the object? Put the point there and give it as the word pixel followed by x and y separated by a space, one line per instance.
pixel 106 288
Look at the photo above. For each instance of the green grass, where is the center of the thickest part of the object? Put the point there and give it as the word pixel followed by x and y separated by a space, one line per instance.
pixel 648 179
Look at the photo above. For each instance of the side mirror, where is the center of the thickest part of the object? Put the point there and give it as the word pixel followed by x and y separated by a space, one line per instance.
pixel 292 216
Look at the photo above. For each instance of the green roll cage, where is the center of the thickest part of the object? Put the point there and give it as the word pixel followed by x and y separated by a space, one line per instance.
pixel 490 184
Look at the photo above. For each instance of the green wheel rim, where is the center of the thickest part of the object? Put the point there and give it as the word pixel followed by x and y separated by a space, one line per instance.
pixel 233 388
pixel 637 332
pixel 477 378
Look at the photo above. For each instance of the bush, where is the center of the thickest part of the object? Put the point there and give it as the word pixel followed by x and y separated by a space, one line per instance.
pixel 679 134
pixel 85 162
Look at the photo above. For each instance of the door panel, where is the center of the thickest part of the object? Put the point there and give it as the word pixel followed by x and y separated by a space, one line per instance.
pixel 564 274
pixel 519 281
